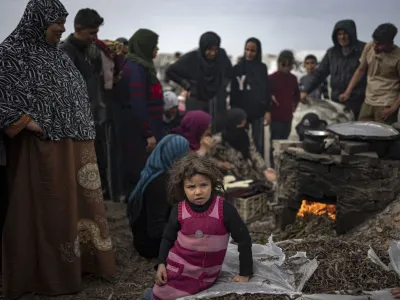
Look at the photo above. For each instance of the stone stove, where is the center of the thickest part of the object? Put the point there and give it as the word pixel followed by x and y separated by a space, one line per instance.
pixel 360 186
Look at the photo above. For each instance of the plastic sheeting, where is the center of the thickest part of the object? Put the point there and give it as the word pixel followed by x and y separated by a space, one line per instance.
pixel 327 110
pixel 274 273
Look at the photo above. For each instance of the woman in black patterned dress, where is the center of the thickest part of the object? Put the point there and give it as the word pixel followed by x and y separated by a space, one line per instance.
pixel 55 228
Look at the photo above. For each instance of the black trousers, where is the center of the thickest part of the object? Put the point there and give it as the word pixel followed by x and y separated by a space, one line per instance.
pixel 278 131
pixel 257 131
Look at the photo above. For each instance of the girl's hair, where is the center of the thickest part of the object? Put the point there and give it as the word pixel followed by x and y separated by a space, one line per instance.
pixel 188 167
pixel 286 57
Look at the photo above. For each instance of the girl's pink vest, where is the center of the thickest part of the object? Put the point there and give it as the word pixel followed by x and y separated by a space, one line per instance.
pixel 195 261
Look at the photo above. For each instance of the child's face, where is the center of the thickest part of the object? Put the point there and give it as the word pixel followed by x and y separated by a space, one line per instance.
pixel 286 67
pixel 197 189
pixel 310 65
pixel 172 112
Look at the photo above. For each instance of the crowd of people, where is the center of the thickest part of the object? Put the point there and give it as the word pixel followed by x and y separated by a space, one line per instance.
pixel 84 119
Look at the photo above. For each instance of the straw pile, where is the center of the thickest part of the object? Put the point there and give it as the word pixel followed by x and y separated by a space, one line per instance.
pixel 308 226
pixel 343 265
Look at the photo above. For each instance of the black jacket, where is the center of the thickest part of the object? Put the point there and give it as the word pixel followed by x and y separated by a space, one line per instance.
pixel 148 229
pixel 341 67
pixel 187 73
pixel 79 54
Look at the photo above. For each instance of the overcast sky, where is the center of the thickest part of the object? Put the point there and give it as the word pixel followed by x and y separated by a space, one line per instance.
pixel 292 24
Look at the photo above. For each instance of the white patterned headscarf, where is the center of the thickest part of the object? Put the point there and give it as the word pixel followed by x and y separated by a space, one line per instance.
pixel 170 100
pixel 39 80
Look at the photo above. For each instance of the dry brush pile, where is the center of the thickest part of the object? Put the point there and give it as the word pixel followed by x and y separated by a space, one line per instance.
pixel 308 226
pixel 343 266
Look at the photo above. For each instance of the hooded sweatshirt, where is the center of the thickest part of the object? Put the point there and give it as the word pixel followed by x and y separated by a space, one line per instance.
pixel 341 67
pixel 250 87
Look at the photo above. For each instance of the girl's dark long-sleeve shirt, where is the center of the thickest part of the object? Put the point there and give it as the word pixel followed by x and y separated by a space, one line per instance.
pixel 285 88
pixel 233 223
pixel 251 92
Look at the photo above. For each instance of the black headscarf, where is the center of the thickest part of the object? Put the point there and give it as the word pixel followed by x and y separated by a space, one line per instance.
pixel 141 46
pixel 238 138
pixel 253 68
pixel 212 71
pixel 258 58
pixel 39 80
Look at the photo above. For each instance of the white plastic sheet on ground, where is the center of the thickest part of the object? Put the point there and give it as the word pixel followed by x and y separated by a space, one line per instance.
pixel 274 273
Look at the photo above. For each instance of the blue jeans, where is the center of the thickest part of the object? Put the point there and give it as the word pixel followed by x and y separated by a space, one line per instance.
pixel 148 294
pixel 257 132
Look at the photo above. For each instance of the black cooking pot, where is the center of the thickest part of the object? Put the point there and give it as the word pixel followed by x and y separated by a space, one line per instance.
pixel 314 141
pixel 316 135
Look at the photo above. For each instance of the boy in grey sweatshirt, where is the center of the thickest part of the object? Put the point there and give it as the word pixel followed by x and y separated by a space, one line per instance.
pixel 310 63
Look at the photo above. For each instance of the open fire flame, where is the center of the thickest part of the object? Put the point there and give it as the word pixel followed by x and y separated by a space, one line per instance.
pixel 316 208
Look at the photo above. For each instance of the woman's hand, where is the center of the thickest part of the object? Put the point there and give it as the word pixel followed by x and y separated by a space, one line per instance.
pixel 239 278
pixel 224 165
pixel 267 118
pixel 270 174
pixel 161 275
pixel 395 293
pixel 207 142
pixel 32 126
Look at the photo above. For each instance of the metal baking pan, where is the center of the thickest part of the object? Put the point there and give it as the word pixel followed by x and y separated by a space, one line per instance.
pixel 364 131
pixel 317 133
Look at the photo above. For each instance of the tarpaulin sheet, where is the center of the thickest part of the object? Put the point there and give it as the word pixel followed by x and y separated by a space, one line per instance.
pixel 274 273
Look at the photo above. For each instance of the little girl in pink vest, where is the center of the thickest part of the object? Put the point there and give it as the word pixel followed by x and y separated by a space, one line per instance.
pixel 196 237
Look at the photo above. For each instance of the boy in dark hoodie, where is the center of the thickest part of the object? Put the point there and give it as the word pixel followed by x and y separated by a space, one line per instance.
pixel 286 97
pixel 250 91
pixel 341 61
